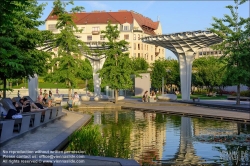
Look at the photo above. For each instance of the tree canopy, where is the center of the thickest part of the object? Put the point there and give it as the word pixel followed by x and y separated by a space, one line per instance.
pixel 208 71
pixel 158 71
pixel 117 69
pixel 19 40
pixel 140 65
pixel 67 65
pixel 235 46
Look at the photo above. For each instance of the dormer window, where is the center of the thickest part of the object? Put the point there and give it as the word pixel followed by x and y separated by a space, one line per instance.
pixel 126 28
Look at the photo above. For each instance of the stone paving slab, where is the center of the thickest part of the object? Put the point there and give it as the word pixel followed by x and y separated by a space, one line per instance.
pixel 41 136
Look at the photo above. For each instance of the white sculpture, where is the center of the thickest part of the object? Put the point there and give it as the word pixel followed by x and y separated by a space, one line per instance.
pixel 184 45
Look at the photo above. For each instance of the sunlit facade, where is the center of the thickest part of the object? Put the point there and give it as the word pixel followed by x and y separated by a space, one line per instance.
pixel 132 26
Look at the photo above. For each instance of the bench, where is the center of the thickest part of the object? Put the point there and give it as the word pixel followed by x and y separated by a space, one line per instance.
pixel 196 98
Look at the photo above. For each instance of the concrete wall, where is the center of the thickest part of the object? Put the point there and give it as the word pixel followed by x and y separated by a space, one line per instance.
pixel 142 84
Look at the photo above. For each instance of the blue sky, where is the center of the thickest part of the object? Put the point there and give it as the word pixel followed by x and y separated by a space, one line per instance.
pixel 175 16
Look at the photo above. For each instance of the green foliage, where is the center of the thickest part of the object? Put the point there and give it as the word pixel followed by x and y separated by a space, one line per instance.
pixel 110 140
pixel 140 65
pixel 173 72
pixel 19 39
pixel 117 69
pixel 235 46
pixel 69 66
pixel 158 71
pixel 88 138
pixel 208 71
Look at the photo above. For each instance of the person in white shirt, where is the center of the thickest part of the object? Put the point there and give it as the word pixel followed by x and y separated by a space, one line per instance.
pixel 76 98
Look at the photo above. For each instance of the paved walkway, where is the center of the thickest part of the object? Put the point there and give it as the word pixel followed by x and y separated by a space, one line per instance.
pixel 51 137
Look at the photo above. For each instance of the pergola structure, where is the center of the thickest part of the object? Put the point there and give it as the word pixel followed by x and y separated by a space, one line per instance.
pixel 184 45
pixel 96 60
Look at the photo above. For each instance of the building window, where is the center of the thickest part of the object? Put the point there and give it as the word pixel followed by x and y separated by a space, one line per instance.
pixel 134 37
pixel 151 57
pixel 147 56
pixel 138 37
pixel 138 55
pixel 219 52
pixel 151 48
pixel 215 52
pixel 138 46
pixel 162 50
pixel 141 46
pixel 126 28
pixel 102 37
pixel 204 53
pixel 208 53
pixel 134 55
pixel 126 37
pixel 147 47
pixel 200 53
pixel 134 46
pixel 95 29
pixel 89 37
pixel 52 27
pixel 212 53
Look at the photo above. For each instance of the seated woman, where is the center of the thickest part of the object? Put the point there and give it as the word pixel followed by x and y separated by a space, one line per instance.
pixel 27 105
pixel 45 99
pixel 145 97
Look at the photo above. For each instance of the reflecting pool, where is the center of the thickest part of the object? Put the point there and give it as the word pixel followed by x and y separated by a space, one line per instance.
pixel 161 139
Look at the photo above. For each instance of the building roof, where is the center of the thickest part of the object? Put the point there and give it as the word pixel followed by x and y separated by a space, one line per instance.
pixel 120 17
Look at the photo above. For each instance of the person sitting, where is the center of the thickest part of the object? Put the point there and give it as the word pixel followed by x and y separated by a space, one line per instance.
pixel 152 95
pixel 40 98
pixel 10 113
pixel 18 107
pixel 27 105
pixel 75 98
pixel 49 100
pixel 145 97
pixel 45 99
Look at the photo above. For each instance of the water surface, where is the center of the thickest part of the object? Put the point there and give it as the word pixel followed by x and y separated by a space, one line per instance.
pixel 154 138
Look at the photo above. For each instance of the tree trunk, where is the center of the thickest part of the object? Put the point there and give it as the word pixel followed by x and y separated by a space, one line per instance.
pixel 238 95
pixel 4 87
pixel 116 95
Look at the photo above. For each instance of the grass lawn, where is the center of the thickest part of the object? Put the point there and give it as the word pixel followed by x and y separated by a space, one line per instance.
pixel 44 85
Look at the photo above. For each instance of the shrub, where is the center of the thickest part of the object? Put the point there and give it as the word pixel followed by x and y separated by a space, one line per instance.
pixel 245 93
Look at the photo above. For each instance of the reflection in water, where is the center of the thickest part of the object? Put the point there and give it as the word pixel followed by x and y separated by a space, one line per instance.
pixel 153 139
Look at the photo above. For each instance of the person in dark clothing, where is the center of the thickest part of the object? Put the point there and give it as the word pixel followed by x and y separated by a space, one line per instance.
pixel 18 108
pixel 10 113
pixel 27 105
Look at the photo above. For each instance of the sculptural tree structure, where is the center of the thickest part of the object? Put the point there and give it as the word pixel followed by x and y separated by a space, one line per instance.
pixel 184 45
pixel 95 57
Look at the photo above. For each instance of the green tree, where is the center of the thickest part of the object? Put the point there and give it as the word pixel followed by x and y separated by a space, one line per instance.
pixel 158 71
pixel 67 66
pixel 235 46
pixel 173 72
pixel 19 39
pixel 117 69
pixel 140 65
pixel 209 72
